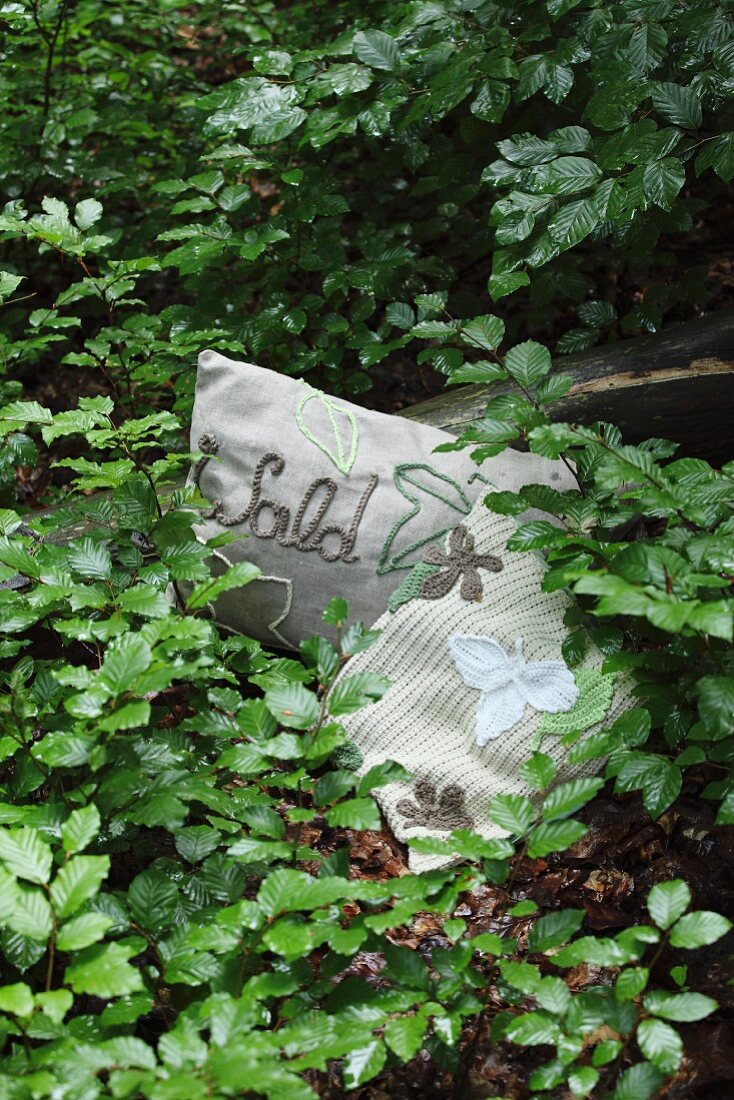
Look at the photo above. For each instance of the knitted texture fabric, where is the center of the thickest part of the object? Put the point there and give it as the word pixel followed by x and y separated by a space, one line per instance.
pixel 326 498
pixel 429 719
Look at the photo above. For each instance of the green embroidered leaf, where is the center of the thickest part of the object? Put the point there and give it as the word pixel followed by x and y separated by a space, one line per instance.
pixel 413 481
pixel 333 429
pixel 410 588
pixel 595 696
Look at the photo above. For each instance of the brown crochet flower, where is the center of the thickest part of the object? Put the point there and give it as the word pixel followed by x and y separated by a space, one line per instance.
pixel 442 811
pixel 460 561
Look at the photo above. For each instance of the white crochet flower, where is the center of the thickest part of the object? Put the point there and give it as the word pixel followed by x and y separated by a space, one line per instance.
pixel 509 683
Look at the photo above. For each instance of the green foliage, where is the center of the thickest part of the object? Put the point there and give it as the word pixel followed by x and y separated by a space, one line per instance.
pixel 226 210
pixel 320 185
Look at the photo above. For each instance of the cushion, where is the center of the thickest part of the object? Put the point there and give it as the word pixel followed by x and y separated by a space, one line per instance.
pixel 472 646
pixel 326 498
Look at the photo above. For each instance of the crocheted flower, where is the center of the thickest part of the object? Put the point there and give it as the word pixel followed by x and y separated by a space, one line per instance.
pixel 509 683
pixel 461 560
pixel 442 811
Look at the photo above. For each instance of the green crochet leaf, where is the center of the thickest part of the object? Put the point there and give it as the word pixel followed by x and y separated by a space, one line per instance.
pixel 411 586
pixel 336 433
pixel 595 696
pixel 415 481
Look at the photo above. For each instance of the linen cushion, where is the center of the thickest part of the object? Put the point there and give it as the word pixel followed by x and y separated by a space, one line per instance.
pixel 328 499
pixel 472 646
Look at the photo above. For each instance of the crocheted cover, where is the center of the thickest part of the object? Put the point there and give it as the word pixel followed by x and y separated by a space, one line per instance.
pixel 427 720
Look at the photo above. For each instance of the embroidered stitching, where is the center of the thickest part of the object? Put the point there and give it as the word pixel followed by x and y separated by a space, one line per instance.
pixel 388 564
pixel 509 684
pixel 410 588
pixel 459 561
pixel 596 690
pixel 342 461
pixel 310 540
pixel 441 810
pixel 272 627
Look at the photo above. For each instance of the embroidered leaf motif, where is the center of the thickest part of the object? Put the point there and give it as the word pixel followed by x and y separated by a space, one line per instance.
pixel 410 588
pixel 415 481
pixel 337 435
pixel 509 684
pixel 595 696
pixel 433 809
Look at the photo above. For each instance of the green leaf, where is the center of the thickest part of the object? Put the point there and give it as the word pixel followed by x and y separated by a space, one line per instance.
pixel 631 982
pixel 82 931
pixel 660 1044
pixel 573 222
pixel 381 774
pixel 336 612
pixel 287 890
pixel 293 705
pixel 76 882
pixel 379 51
pixel 682 1007
pixel 662 180
pixel 565 176
pixel 87 212
pixel 8 283
pixel 667 901
pixel 538 771
pixel 678 104
pixel 512 812
pixel 639 1082
pixel 104 971
pixel 501 285
pixel 719 155
pixel 55 1003
pixel 31 917
pixel 484 332
pixel 532 1029
pixel 527 363
pixel 716 704
pixel 152 898
pixel 554 929
pixel 127 658
pixel 698 929
pixel 16 999
pixel 491 102
pixel 554 836
pixel 26 854
pixel 267 109
pixel 237 576
pixel 353 692
pixel 404 965
pixel 144 600
pixel 568 797
pixel 404 1035
pixel 364 1062
pixel 355 813
pixel 582 1080
pixel 80 828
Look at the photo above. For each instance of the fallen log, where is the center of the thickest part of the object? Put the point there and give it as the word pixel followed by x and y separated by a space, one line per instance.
pixel 677 384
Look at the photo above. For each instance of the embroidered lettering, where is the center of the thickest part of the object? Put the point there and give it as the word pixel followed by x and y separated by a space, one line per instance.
pixel 269 519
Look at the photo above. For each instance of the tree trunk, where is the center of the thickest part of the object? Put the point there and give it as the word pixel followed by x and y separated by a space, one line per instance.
pixel 678 384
